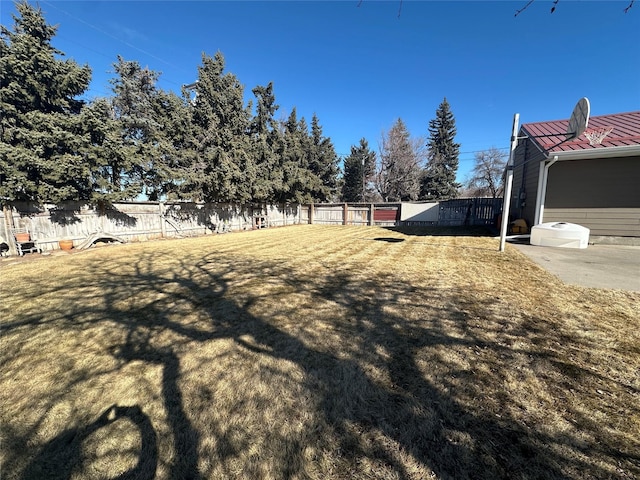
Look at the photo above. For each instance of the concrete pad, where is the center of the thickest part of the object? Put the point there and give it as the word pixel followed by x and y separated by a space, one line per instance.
pixel 599 266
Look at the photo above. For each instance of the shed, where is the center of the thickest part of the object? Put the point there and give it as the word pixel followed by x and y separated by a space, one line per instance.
pixel 593 185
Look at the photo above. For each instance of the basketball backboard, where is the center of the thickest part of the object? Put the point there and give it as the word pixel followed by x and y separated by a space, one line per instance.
pixel 579 119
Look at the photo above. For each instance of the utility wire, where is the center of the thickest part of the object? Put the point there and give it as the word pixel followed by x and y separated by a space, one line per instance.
pixel 460 153
pixel 183 70
pixel 130 45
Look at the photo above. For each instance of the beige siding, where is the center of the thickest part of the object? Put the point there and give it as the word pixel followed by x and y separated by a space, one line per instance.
pixel 525 180
pixel 605 183
pixel 603 195
pixel 619 222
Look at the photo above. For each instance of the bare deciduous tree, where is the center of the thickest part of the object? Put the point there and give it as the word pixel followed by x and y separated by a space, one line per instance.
pixel 486 176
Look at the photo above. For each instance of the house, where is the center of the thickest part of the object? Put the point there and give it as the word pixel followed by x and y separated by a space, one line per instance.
pixel 596 185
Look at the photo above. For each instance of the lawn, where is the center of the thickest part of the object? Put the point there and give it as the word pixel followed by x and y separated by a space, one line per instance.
pixel 314 352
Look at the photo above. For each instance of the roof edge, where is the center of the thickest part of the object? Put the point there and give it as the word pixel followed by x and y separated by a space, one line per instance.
pixel 606 152
pixel 529 136
pixel 597 117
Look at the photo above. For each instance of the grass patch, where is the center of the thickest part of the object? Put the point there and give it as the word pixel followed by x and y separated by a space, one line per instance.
pixel 314 352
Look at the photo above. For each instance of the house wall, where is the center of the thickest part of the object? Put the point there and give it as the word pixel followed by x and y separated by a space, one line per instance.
pixel 602 195
pixel 598 183
pixel 527 158
pixel 615 222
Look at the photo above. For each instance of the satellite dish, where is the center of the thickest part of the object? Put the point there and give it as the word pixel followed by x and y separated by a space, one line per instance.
pixel 579 119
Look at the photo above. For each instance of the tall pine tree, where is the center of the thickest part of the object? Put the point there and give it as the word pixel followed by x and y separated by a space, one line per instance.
pixel 267 142
pixel 135 156
pixel 439 178
pixel 359 170
pixel 323 163
pixel 298 182
pixel 224 168
pixel 174 156
pixel 42 139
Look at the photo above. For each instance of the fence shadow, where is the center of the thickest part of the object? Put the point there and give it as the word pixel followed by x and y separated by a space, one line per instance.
pixel 448 231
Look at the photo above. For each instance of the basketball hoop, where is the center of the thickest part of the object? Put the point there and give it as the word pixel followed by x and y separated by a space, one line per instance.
pixel 596 135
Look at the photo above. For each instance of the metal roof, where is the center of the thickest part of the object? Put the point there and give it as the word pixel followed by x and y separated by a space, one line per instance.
pixel 550 136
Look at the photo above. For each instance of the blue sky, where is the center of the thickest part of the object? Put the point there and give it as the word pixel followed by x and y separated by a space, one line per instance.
pixel 361 65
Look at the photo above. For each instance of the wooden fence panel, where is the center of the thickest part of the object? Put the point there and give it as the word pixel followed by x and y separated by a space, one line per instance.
pixel 358 215
pixel 305 214
pixel 328 214
pixel 140 221
pixel 351 214
pixel 469 212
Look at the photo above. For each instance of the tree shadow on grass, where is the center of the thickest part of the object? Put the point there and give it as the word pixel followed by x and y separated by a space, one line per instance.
pixel 402 416
pixel 185 438
pixel 59 458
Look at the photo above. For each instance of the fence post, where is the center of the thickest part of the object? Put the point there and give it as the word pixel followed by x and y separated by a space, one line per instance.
pixel 474 207
pixel 163 227
pixel 311 213
pixel 345 214
pixel 371 211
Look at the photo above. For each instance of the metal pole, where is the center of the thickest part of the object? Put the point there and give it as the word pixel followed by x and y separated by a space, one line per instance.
pixel 509 183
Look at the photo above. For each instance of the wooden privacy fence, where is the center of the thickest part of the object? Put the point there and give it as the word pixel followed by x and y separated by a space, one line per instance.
pixel 134 221
pixel 470 212
pixel 139 221
pixel 386 214
pixel 458 212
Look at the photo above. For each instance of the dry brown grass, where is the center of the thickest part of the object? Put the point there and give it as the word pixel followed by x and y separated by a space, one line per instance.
pixel 314 352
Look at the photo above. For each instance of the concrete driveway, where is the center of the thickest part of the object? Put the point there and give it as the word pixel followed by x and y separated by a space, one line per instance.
pixel 599 266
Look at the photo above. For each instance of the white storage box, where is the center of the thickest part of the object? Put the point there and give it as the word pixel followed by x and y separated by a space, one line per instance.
pixel 560 234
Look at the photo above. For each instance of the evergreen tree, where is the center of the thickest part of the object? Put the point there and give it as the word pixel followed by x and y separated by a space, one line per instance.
pixel 323 163
pixel 359 170
pixel 104 152
pixel 174 153
pixel 398 176
pixel 224 170
pixel 132 157
pixel 42 140
pixel 145 132
pixel 298 183
pixel 439 179
pixel 267 141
